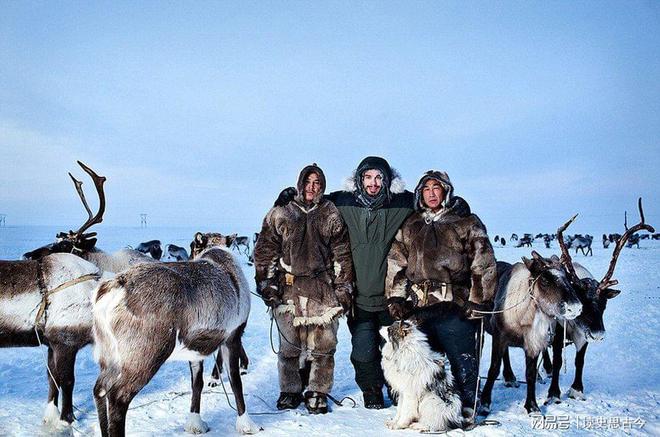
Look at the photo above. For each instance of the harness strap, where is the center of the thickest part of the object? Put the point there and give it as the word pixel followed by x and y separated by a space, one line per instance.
pixel 45 294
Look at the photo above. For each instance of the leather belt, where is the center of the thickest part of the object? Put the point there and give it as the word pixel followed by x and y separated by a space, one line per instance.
pixel 431 292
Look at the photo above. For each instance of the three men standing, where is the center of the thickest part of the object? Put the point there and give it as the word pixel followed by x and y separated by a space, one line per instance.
pixel 439 268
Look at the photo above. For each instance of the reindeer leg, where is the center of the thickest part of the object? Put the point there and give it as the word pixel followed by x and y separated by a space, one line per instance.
pixel 497 353
pixel 52 413
pixel 509 377
pixel 554 393
pixel 244 425
pixel 216 373
pixel 101 404
pixel 577 388
pixel 65 360
pixel 244 361
pixel 195 424
pixel 530 373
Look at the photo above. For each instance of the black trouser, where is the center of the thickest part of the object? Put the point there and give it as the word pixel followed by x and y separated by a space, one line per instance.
pixel 456 337
pixel 367 342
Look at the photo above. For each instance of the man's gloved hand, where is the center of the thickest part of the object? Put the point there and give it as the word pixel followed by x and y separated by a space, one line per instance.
pixel 470 308
pixel 286 196
pixel 398 307
pixel 270 293
pixel 344 293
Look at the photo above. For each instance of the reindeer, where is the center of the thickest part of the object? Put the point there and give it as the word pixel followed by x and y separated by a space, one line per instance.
pixel 530 296
pixel 588 326
pixel 581 243
pixel 239 242
pixel 180 310
pixel 525 241
pixel 514 236
pixel 177 252
pixel 606 242
pixel 655 236
pixel 84 244
pixel 151 247
pixel 199 243
pixel 49 302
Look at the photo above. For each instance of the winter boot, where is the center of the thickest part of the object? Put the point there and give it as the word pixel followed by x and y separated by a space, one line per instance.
pixel 373 398
pixel 316 402
pixel 289 401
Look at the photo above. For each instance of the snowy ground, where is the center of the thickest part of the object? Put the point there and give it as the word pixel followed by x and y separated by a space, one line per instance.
pixel 622 377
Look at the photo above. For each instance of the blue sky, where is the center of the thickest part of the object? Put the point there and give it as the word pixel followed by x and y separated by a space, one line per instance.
pixel 200 112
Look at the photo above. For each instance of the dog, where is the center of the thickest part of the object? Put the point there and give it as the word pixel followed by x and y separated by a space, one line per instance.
pixel 428 401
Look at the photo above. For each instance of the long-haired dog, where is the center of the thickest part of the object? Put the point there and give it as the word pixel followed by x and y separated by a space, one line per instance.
pixel 416 373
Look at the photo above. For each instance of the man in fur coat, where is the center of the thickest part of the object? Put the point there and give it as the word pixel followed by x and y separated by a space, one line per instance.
pixel 441 267
pixel 304 273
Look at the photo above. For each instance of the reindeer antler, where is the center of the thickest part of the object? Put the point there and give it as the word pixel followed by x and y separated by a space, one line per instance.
pixel 607 280
pixel 98 183
pixel 565 256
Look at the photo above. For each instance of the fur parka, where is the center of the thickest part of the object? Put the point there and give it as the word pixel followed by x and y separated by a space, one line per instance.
pixel 450 246
pixel 310 243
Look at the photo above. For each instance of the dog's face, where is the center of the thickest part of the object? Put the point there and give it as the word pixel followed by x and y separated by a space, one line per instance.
pixel 397 332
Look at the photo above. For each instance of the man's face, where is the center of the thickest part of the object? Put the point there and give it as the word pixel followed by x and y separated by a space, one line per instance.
pixel 312 186
pixel 372 181
pixel 433 194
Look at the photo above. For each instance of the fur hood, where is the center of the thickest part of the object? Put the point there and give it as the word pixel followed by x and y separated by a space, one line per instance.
pixel 397 186
pixel 300 186
pixel 384 196
pixel 444 180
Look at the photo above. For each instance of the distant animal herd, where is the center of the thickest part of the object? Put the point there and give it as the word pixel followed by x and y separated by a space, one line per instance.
pixel 579 242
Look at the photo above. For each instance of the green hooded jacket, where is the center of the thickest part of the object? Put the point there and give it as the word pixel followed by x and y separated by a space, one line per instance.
pixel 372 230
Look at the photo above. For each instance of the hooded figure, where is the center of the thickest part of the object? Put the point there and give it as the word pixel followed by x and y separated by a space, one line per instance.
pixel 440 267
pixel 304 273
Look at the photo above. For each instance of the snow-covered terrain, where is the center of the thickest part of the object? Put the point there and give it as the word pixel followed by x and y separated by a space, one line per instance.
pixel 622 376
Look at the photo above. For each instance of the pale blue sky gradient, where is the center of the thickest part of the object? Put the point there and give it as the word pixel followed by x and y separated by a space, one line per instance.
pixel 200 112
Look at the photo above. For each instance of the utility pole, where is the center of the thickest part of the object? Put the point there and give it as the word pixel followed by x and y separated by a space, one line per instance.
pixel 143 220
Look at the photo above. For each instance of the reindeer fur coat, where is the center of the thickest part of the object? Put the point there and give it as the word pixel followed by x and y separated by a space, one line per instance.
pixel 309 242
pixel 450 246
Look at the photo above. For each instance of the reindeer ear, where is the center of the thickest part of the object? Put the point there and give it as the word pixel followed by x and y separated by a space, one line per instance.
pixel 610 293
pixel 555 258
pixel 200 239
pixel 230 239
pixel 536 255
pixel 528 263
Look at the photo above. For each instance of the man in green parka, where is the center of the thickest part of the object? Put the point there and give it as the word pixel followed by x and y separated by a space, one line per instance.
pixel 373 210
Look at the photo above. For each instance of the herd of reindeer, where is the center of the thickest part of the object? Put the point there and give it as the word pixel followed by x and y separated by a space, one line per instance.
pixel 578 241
pixel 139 312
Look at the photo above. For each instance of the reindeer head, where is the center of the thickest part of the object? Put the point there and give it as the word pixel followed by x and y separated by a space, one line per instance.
pixel 77 242
pixel 551 288
pixel 592 293
pixel 202 242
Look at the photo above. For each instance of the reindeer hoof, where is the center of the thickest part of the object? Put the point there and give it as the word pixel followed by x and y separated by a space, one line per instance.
pixel 484 410
pixel 214 382
pixel 533 410
pixel 195 424
pixel 512 383
pixel 245 425
pixel 552 400
pixel 576 394
pixel 244 371
pixel 51 414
